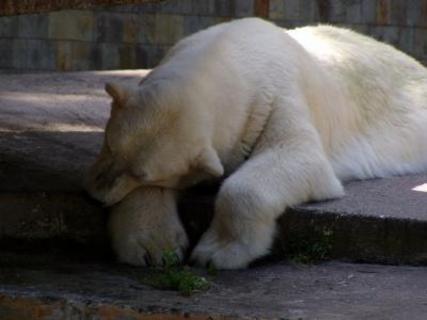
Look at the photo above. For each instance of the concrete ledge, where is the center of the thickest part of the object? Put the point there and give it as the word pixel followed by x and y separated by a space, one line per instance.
pixel 64 289
pixel 51 129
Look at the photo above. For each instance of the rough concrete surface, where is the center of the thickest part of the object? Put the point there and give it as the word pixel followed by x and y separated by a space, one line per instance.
pixel 71 290
pixel 51 129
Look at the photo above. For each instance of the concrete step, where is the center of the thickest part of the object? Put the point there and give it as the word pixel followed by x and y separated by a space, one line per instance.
pixel 51 129
pixel 55 287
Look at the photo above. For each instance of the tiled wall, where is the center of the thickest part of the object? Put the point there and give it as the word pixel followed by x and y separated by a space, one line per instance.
pixel 137 36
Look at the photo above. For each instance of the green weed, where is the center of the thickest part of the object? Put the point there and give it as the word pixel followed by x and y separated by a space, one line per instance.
pixel 174 276
pixel 308 251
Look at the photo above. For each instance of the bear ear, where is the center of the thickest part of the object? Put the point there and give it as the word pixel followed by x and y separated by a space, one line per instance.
pixel 209 162
pixel 117 92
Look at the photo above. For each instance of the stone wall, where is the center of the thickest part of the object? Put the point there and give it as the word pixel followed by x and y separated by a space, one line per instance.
pixel 137 36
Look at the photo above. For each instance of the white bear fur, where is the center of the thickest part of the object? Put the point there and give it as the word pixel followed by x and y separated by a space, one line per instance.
pixel 285 115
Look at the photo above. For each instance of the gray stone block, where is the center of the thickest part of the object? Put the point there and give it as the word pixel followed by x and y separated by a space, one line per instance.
pixel 150 56
pixel 203 7
pixel 224 8
pixel 353 10
pixel 80 54
pixel 193 24
pixel 337 11
pixel 41 55
pixel 361 28
pixel 168 29
pixel 110 56
pixel 72 25
pixel 398 12
pixel 33 26
pixel 20 58
pixel 131 28
pixel 406 39
pixel 292 10
pixel 63 55
pixel 413 12
pixel 127 54
pixel 277 10
pixel 166 7
pixel 127 8
pixel 416 13
pixel 383 12
pixel 176 6
pixel 95 57
pixel 287 24
pixel 387 34
pixel 141 60
pixel 109 27
pixel 243 8
pixel 147 31
pixel 6 54
pixel 9 26
pixel 309 11
pixel 420 43
pixel 145 8
pixel 368 11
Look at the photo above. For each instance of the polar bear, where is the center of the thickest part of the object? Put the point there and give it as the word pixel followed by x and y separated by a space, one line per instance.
pixel 282 116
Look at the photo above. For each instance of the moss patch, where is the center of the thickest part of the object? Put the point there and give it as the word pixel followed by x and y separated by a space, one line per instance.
pixel 311 250
pixel 174 276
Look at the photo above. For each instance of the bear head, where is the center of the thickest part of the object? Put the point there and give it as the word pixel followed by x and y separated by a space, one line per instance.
pixel 152 138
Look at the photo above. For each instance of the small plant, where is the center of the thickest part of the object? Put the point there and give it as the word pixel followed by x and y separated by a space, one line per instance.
pixel 309 251
pixel 174 276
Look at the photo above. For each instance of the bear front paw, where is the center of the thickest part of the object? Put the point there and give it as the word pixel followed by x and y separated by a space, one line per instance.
pixel 225 254
pixel 145 247
pixel 145 226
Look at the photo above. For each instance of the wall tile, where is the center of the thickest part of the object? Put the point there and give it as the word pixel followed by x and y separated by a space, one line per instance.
pixel 63 55
pixel 338 12
pixel 309 11
pixel 203 7
pixel 224 8
pixel 368 11
pixel 354 13
pixel 147 28
pixel 420 43
pixel 168 29
pixel 95 57
pixel 6 53
pixel 422 20
pixel 41 55
pixel 20 57
pixel 33 26
pixel 383 12
pixel 413 12
pixel 109 27
pixel 127 54
pixel 138 35
pixel 398 14
pixel 9 26
pixel 141 59
pixel 244 8
pixel 131 29
pixel 277 10
pixel 71 25
pixel 193 24
pixel 81 53
pixel 406 39
pixel 110 55
pixel 388 34
pixel 360 28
